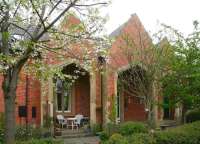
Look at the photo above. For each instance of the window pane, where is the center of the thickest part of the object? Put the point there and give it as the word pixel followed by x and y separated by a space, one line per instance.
pixel 67 97
pixel 66 101
pixel 59 101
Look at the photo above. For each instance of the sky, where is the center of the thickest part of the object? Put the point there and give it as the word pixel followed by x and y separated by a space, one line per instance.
pixel 179 14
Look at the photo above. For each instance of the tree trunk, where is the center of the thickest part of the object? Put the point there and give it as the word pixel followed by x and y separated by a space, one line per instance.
pixel 184 110
pixel 9 118
pixel 9 88
pixel 152 115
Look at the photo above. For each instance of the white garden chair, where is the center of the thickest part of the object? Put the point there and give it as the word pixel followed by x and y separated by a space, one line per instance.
pixel 78 120
pixel 61 121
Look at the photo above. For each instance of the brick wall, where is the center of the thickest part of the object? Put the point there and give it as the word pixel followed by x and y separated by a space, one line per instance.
pixel 82 96
pixel 133 108
pixel 121 56
pixel 33 99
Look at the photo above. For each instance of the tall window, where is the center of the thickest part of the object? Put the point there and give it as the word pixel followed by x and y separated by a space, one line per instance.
pixel 67 96
pixel 59 101
pixel 64 94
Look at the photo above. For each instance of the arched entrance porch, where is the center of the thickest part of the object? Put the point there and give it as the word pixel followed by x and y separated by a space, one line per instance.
pixel 132 87
pixel 72 94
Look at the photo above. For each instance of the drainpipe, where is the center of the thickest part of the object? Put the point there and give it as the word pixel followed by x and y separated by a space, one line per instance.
pixel 101 84
pixel 26 95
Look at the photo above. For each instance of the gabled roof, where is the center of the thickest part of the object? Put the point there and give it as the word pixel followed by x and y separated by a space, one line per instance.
pixel 118 30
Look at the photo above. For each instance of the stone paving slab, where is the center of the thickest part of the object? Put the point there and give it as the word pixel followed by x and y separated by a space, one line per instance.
pixel 82 140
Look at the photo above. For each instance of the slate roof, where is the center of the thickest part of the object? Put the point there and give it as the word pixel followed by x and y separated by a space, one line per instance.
pixel 118 30
pixel 15 31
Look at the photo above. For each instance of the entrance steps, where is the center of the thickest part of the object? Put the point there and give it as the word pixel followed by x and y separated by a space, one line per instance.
pixel 76 133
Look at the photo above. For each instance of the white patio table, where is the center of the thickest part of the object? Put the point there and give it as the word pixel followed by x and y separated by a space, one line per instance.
pixel 71 122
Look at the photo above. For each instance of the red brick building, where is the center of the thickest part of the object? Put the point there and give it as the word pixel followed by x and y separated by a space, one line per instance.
pixel 28 95
pixel 92 93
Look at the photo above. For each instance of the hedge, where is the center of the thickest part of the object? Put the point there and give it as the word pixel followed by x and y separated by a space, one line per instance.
pixel 193 115
pixel 129 128
pixel 117 139
pixel 141 138
pixel 186 134
pixel 125 129
pixel 40 141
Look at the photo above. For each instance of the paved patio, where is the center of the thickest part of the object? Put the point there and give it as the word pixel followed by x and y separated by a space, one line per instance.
pixel 82 140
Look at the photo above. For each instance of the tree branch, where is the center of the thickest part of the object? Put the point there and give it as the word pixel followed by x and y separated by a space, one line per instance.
pixel 55 20
pixel 70 54
pixel 25 30
pixel 40 16
pixel 89 5
pixel 52 10
pixel 18 6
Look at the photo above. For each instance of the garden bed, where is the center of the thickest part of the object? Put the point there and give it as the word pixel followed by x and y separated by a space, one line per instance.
pixel 138 133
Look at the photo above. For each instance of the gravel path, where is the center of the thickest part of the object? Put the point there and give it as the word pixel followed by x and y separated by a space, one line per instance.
pixel 82 140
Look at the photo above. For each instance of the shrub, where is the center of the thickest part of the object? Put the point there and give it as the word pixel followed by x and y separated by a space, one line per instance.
pixel 1 136
pixel 2 124
pixel 95 128
pixel 40 141
pixel 117 139
pixel 26 133
pixel 111 128
pixel 48 122
pixel 186 134
pixel 129 128
pixel 23 133
pixel 103 136
pixel 193 115
pixel 141 138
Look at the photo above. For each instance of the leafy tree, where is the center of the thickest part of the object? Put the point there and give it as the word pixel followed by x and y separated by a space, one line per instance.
pixel 25 27
pixel 181 83
pixel 169 68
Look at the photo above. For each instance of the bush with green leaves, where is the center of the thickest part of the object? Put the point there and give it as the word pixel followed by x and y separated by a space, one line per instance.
pixel 40 141
pixel 28 132
pixel 186 134
pixel 111 128
pixel 193 115
pixel 2 124
pixel 141 138
pixel 2 121
pixel 103 136
pixel 129 128
pixel 117 139
pixel 95 128
pixel 48 122
pixel 1 136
